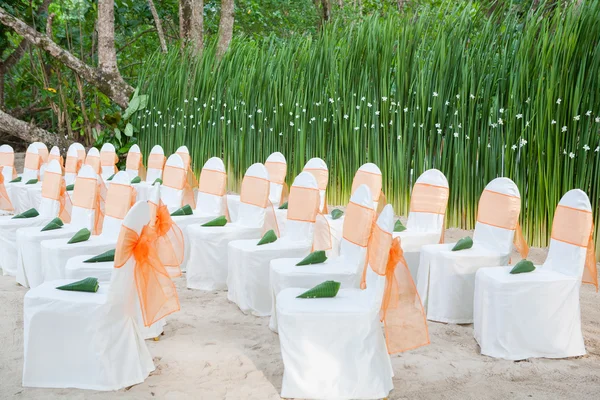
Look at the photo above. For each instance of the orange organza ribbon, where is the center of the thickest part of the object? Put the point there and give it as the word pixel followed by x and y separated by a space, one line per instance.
pixel 255 191
pixel 109 159
pixel 81 154
pixel 99 207
pixel 55 188
pixel 170 242
pixel 372 180
pixel 402 312
pixel 43 152
pixel 134 162
pixel 73 164
pixel 433 199
pixel 94 162
pixel 358 223
pixel 174 177
pixel 156 291
pixel 156 161
pixel 322 177
pixel 33 161
pixel 5 203
pixel 90 194
pixel 277 171
pixel 322 234
pixel 570 226
pixel 213 182
pixel 191 183
pixel 8 160
pixel 58 158
pixel 303 204
pixel 120 198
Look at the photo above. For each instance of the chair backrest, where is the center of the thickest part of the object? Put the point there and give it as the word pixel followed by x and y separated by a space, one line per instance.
pixel 119 199
pixel 108 160
pixel 84 198
pixel 357 226
pixel 318 168
pixel 303 207
pixel 156 164
pixel 53 155
pixel 212 188
pixel 571 230
pixel 498 215
pixel 80 151
pixel 72 164
pixel 42 151
pixel 174 179
pixel 33 162
pixel 93 160
pixel 134 161
pixel 184 153
pixel 376 281
pixel 51 188
pixel 277 167
pixel 254 196
pixel 369 174
pixel 7 162
pixel 428 202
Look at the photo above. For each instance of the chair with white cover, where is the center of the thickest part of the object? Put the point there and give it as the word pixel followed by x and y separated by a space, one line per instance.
pixel 277 167
pixel 7 174
pixel 347 268
pixel 84 197
pixel 446 278
pixel 17 191
pixel 207 264
pixel 156 164
pixel 191 185
pixel 249 264
pixel 49 208
pixel 34 192
pixel 93 160
pixel 108 160
pixel 211 200
pixel 42 150
pixel 537 314
pixel 56 252
pixel 427 212
pixel 72 164
pixel 174 180
pixel 134 164
pixel 92 340
pixel 333 348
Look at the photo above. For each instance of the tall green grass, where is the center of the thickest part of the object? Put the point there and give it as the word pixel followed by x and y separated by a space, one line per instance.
pixel 452 88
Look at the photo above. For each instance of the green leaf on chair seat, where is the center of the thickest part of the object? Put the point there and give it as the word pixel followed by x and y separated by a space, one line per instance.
pixel 56 223
pixel 84 285
pixel 70 187
pixel 157 180
pixel 219 221
pixel 137 179
pixel 464 243
pixel 268 237
pixel 335 214
pixel 31 213
pixel 17 179
pixel 110 178
pixel 322 290
pixel 104 257
pixel 522 267
pixel 81 236
pixel 316 257
pixel 31 182
pixel 185 210
pixel 284 206
pixel 399 227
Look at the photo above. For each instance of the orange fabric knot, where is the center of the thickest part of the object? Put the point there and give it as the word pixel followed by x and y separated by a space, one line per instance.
pixel 169 242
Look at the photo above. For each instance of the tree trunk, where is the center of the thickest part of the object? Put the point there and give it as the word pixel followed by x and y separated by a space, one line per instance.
pixel 106 78
pixel 225 27
pixel 159 29
pixel 197 25
pixel 107 55
pixel 28 132
pixel 326 9
pixel 185 18
pixel 401 4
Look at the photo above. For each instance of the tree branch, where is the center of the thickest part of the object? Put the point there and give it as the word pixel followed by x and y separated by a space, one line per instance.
pixel 29 132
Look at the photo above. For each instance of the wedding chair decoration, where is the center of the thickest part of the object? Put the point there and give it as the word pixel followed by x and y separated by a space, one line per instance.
pixel 42 151
pixel 426 216
pixel 134 164
pixel 86 212
pixel 347 268
pixel 73 164
pixel 34 191
pixel 31 173
pixel 446 278
pixel 191 185
pixel 156 164
pixel 93 160
pixel 174 180
pixel 108 160
pixel 7 163
pixel 6 207
pixel 120 198
pixel 54 202
pixel 537 314
pixel 92 340
pixel 277 167
pixel 206 268
pixel 249 263
pixel 333 348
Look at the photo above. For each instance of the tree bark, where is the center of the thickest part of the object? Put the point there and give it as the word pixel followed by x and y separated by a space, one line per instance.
pixel 225 27
pixel 197 25
pixel 106 77
pixel 107 55
pixel 159 29
pixel 185 18
pixel 28 132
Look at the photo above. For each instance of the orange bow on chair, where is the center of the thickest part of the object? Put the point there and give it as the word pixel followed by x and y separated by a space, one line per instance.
pixel 169 242
pixel 156 291
pixel 5 203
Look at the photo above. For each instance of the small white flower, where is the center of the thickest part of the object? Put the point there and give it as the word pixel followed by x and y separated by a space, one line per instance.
pixel 297 116
pixel 259 111
pixel 345 116
pixel 384 98
pixel 313 119
pixel 527 123
pixel 155 125
pixel 597 149
pixel 459 126
pixel 447 103
pixel 399 137
pixel 249 115
pixel 297 104
pixel 553 122
pixel 372 126
pixel 185 101
pixel 494 125
pixel 522 143
pixel 576 118
pixel 195 99
pixel 528 100
pixel 564 129
pixel 393 103
pixel 172 126
pixel 456 112
pixel 586 147
pixel 391 122
pixel 324 119
pixel 358 107
pixel 489 146
pixel 281 104
pixel 421 125
pixel 565 151
pixel 376 112
pixel 435 94
pixel 571 155
pixel 514 147
pixel 406 109
pixel 304 110
pixel 597 119
pixel 362 98
pixel 270 129
pixel 438 125
pixel 501 110
pixel 558 101
pixel 224 105
pixel 330 100
pixel 439 131
pixel 356 128
pixel 455 134
pixel 458 96
pixel 519 116
pixel 228 121
pixel 500 122
pixel 428 108
pixel 251 126
pixel 369 105
pixel 204 105
pixel 222 118
pixel 291 123
pixel 280 134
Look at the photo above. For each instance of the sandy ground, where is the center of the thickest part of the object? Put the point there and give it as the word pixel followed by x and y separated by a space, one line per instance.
pixel 211 350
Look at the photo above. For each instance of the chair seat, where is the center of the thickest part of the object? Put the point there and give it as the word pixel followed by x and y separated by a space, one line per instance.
pixel 47 292
pixel 413 240
pixel 77 269
pixel 347 301
pixel 502 277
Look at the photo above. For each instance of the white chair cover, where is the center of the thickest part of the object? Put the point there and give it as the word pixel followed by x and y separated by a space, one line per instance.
pixel 56 252
pixel 207 264
pixel 446 279
pixel 133 170
pixel 87 340
pixel 47 210
pixel 249 264
pixel 346 269
pixel 425 223
pixel 30 272
pixel 72 164
pixel 171 191
pixel 153 171
pixel 333 348
pixel 7 160
pixel 108 158
pixel 537 314
pixel 18 191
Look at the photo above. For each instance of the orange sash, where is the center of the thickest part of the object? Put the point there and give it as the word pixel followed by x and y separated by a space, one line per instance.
pixel 55 188
pixel 120 198
pixel 156 161
pixel 433 199
pixel 90 194
pixel 33 162
pixel 134 162
pixel 94 162
pixel 58 158
pixel 255 191
pixel 358 223
pixel 170 242
pixel 43 152
pixel 73 164
pixel 277 172
pixel 174 177
pixel 8 160
pixel 569 226
pixel 156 291
pixel 109 159
pixel 5 203
pixel 322 177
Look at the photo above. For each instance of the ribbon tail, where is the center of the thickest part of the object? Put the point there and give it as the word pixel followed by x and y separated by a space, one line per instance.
pixel 590 273
pixel 321 234
pixel 520 243
pixel 271 219
pixel 381 203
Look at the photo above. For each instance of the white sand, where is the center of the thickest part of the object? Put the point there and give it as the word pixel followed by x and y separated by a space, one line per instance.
pixel 211 350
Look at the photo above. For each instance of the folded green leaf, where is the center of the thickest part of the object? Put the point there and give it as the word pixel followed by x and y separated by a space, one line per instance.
pixel 464 243
pixel 137 179
pixel 104 257
pixel 268 237
pixel 284 206
pixel 522 267
pixel 70 187
pixel 56 223
pixel 185 210
pixel 17 179
pixel 81 236
pixel 316 257
pixel 110 178
pixel 84 285
pixel 322 290
pixel 31 182
pixel 157 180
pixel 219 221
pixel 399 227
pixel 336 214
pixel 31 213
